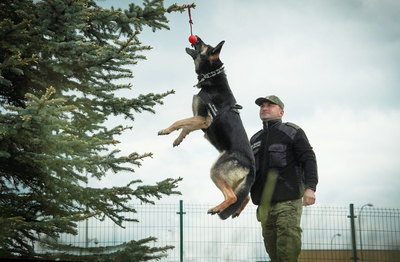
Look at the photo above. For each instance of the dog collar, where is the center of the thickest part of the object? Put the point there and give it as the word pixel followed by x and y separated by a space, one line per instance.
pixel 209 75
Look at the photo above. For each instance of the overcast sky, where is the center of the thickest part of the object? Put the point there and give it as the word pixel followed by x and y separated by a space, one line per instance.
pixel 335 65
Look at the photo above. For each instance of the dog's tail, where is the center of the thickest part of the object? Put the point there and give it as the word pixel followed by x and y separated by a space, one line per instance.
pixel 241 195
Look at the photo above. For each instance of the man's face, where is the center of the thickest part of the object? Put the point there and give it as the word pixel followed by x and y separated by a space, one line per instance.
pixel 270 111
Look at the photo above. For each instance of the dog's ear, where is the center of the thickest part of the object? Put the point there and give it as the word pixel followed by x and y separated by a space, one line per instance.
pixel 216 50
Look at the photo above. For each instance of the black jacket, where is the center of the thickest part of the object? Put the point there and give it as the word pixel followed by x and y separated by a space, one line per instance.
pixel 284 147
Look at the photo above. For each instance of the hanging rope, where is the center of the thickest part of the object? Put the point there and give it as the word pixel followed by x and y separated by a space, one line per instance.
pixel 190 20
pixel 192 38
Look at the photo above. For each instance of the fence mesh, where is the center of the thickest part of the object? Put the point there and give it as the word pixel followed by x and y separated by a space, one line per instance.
pixel 326 233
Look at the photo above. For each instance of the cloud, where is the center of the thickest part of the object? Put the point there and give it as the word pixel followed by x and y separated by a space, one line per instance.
pixel 334 65
pixel 356 153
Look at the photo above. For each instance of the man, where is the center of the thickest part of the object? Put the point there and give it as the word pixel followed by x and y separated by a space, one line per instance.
pixel 286 172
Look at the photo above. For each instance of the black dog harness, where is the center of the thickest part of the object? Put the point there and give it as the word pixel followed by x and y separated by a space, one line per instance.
pixel 215 112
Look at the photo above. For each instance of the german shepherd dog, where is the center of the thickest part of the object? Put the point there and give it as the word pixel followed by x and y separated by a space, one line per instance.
pixel 216 113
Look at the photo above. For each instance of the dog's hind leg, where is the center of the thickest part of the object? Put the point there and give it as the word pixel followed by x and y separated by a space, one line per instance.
pixel 229 195
pixel 227 176
pixel 237 213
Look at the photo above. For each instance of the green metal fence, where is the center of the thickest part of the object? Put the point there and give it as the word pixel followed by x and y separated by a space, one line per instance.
pixel 328 234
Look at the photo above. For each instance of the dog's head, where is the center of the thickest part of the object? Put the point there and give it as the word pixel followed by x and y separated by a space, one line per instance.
pixel 206 57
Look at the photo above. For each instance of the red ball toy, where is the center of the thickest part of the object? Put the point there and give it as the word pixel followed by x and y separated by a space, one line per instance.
pixel 192 39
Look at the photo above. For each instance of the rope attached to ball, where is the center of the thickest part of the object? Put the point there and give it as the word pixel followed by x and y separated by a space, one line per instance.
pixel 192 38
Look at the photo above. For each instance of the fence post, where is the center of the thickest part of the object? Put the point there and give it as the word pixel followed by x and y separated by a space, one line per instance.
pixel 181 213
pixel 353 233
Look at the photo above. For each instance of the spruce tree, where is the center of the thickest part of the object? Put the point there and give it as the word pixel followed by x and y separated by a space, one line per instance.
pixel 59 65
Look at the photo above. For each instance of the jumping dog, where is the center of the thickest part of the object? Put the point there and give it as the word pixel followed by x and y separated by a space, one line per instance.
pixel 216 113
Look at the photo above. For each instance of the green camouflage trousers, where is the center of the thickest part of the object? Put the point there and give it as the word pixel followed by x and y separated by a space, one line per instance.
pixel 281 230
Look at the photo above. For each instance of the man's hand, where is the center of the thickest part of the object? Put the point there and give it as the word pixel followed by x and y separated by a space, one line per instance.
pixel 309 197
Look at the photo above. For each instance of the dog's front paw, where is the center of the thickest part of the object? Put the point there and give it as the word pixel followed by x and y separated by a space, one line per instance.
pixel 163 132
pixel 177 142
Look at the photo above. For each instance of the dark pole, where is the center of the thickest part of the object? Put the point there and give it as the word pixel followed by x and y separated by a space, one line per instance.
pixel 353 233
pixel 181 213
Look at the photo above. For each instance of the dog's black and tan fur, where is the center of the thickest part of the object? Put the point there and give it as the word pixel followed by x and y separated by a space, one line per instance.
pixel 233 172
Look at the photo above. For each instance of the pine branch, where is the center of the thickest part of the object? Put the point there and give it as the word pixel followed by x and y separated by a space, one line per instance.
pixel 59 67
